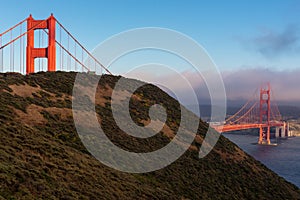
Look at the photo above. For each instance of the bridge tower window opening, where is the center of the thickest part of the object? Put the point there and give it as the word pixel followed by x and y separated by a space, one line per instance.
pixel 40 64
pixel 40 38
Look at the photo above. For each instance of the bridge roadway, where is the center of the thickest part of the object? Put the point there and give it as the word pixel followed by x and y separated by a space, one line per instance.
pixel 236 127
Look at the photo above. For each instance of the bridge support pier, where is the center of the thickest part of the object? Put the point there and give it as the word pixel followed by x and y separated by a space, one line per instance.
pixel 261 135
pixel 268 135
pixel 264 135
pixel 278 132
pixel 287 129
pixel 283 131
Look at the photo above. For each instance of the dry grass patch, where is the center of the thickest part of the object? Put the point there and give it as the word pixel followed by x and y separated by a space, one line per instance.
pixel 24 90
pixel 34 117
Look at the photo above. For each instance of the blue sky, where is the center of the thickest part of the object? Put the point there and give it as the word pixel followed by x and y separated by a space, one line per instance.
pixel 226 29
pixel 242 37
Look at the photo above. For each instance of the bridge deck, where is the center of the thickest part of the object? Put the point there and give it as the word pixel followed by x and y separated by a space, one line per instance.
pixel 235 127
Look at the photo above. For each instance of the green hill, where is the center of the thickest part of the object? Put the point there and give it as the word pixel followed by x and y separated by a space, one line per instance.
pixel 42 156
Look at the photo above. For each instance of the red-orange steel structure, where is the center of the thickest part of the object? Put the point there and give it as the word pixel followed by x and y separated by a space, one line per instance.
pixel 256 114
pixel 265 112
pixel 19 49
pixel 48 52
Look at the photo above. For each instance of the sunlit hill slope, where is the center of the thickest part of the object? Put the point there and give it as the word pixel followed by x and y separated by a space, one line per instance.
pixel 42 156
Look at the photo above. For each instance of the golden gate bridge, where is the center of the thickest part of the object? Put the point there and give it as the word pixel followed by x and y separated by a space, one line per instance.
pixel 258 113
pixel 46 45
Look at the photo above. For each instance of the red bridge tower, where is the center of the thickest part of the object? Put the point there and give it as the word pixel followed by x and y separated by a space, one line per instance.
pixel 48 52
pixel 264 113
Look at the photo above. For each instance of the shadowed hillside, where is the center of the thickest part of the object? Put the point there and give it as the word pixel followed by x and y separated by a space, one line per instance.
pixel 42 156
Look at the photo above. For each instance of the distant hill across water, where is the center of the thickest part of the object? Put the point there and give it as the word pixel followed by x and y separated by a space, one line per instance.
pixel 287 111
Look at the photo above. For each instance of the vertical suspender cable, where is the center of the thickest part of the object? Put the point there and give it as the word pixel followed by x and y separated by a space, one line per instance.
pixel 12 53
pixel 82 59
pixel 1 55
pixel 13 57
pixel 88 62
pixel 40 47
pixel 69 60
pixel 10 61
pixel 43 60
pixel 75 57
pixel 21 48
pixel 61 58
pixel 24 51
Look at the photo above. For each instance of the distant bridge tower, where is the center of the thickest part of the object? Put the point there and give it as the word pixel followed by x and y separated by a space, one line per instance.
pixel 265 113
pixel 48 52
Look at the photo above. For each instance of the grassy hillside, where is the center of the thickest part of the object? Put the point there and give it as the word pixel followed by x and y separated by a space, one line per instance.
pixel 42 156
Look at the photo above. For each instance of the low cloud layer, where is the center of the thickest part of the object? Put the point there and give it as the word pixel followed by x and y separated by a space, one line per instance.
pixel 240 85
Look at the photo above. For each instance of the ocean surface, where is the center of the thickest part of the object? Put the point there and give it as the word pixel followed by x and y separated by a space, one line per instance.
pixel 284 159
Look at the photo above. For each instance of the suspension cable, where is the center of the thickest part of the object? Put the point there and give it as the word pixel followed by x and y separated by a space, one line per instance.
pixel 71 56
pixel 276 106
pixel 13 27
pixel 243 116
pixel 244 106
pixel 83 47
pixel 32 28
